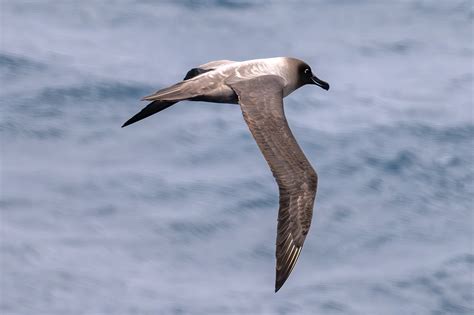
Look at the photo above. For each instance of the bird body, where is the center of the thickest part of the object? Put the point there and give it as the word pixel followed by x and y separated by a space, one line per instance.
pixel 259 86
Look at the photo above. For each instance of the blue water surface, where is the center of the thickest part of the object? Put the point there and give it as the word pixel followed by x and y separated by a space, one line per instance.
pixel 177 214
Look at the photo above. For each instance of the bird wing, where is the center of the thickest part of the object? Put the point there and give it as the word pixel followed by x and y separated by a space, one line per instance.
pixel 194 72
pixel 261 100
pixel 214 64
pixel 188 88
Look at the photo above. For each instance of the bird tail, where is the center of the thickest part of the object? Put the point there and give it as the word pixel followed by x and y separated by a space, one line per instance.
pixel 164 98
pixel 180 91
pixel 150 109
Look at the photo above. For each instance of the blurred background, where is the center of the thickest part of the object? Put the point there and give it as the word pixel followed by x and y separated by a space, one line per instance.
pixel 177 214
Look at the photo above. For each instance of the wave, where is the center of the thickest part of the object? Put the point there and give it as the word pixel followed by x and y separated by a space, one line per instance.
pixel 11 64
pixel 92 91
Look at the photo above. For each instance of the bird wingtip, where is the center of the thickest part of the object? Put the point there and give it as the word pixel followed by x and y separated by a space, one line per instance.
pixel 279 282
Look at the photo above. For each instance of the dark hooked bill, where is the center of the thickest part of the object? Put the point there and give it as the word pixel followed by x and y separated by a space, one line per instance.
pixel 320 82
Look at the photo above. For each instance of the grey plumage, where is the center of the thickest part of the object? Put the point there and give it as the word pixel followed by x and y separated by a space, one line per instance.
pixel 259 86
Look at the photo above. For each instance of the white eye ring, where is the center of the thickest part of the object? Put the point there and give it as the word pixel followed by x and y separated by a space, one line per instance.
pixel 306 70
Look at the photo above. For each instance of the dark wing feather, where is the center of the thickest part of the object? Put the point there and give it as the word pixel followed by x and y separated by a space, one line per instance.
pixel 194 72
pixel 261 100
pixel 150 109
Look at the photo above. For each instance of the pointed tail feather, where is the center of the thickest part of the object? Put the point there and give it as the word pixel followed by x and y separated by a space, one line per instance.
pixel 180 91
pixel 174 92
pixel 150 109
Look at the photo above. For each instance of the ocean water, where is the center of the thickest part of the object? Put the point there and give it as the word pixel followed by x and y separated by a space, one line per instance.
pixel 177 214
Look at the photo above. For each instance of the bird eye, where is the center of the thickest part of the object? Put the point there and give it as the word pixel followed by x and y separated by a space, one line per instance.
pixel 306 71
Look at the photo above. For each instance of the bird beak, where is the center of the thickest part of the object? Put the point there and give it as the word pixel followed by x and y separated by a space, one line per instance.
pixel 320 82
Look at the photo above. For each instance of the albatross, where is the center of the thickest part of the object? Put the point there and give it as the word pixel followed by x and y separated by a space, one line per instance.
pixel 259 87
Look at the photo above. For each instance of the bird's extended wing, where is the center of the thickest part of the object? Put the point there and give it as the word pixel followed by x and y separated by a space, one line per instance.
pixel 194 72
pixel 187 88
pixel 215 64
pixel 261 100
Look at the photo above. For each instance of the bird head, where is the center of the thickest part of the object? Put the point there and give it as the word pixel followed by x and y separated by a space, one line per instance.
pixel 306 76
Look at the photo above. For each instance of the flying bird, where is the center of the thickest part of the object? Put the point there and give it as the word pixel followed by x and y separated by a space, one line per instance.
pixel 259 86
